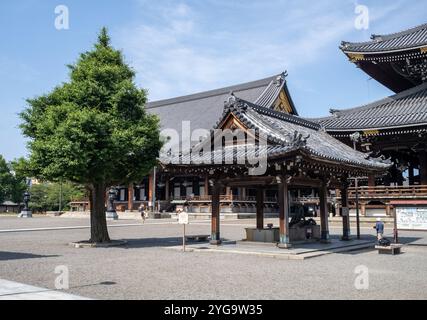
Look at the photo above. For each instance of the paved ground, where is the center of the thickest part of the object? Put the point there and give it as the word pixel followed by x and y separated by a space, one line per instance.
pixel 10 290
pixel 147 269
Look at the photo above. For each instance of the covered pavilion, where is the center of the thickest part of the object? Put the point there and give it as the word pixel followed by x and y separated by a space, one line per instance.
pixel 290 152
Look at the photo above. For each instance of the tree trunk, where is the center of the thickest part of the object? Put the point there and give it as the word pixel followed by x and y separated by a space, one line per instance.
pixel 98 220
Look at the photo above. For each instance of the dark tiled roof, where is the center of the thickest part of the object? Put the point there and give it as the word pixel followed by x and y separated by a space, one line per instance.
pixel 412 38
pixel 408 108
pixel 203 109
pixel 281 129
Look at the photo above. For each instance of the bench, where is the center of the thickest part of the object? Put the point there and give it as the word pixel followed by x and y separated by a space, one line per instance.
pixel 392 249
pixel 197 238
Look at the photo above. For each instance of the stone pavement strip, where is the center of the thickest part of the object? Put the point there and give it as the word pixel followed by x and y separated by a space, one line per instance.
pixel 10 290
pixel 297 252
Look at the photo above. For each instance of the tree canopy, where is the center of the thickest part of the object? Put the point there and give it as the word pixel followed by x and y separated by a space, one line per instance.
pixel 47 196
pixel 12 181
pixel 94 129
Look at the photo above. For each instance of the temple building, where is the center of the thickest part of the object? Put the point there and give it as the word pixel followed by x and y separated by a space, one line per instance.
pixel 393 129
pixel 202 111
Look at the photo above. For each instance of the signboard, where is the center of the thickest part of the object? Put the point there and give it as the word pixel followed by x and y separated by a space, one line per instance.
pixel 411 218
pixel 183 217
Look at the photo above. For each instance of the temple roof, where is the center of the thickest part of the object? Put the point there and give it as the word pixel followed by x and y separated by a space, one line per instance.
pixel 9 203
pixel 405 109
pixel 408 39
pixel 288 134
pixel 203 109
pixel 398 60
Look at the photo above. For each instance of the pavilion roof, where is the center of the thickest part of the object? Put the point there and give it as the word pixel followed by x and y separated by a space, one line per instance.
pixel 405 109
pixel 9 203
pixel 408 39
pixel 203 109
pixel 287 134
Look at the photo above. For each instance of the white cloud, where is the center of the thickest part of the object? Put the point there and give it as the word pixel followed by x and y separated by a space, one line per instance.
pixel 189 48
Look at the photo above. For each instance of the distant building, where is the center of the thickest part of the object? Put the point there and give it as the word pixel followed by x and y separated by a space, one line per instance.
pixel 10 207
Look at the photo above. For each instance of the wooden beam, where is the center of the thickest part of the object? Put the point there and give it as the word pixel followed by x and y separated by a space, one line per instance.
pixel 248 181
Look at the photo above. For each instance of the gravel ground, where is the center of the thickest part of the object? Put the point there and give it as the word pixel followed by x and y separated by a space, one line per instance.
pixel 144 269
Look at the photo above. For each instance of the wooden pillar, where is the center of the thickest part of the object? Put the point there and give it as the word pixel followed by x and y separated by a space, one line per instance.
pixel 243 195
pixel 423 167
pixel 371 181
pixel 260 209
pixel 324 214
pixel 388 209
pixel 150 188
pixel 345 212
pixel 167 188
pixel 206 186
pixel 229 193
pixel 363 209
pixel 215 219
pixel 131 194
pixel 284 214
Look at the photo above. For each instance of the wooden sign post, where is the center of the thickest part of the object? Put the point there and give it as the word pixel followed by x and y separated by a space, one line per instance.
pixel 183 219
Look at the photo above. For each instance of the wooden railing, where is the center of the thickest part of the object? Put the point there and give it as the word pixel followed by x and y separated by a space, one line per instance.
pixel 224 198
pixel 382 192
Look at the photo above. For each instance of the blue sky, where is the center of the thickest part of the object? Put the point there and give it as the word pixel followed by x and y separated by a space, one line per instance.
pixel 181 47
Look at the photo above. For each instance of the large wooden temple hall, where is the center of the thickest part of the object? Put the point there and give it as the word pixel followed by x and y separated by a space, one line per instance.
pixel 313 158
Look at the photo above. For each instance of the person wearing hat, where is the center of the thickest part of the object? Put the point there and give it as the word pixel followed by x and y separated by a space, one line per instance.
pixel 379 226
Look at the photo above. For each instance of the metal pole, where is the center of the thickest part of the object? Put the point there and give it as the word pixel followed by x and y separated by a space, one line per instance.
pixel 395 231
pixel 154 189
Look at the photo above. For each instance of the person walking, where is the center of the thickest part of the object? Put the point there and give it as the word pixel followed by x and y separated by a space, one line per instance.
pixel 143 212
pixel 379 226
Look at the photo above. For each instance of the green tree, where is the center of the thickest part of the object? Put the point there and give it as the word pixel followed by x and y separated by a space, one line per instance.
pixel 93 130
pixel 46 196
pixel 6 180
pixel 20 178
pixel 12 183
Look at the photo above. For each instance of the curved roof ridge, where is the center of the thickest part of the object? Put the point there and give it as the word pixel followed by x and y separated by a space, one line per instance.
pixel 401 33
pixel 211 93
pixel 283 116
pixel 383 101
pixel 385 37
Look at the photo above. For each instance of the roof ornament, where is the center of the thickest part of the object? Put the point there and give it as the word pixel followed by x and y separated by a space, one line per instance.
pixel 376 37
pixel 344 44
pixel 281 78
pixel 334 112
pixel 231 100
pixel 381 159
pixel 296 139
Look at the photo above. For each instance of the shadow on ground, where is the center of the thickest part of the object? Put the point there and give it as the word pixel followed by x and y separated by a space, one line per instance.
pixel 5 255
pixel 154 242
